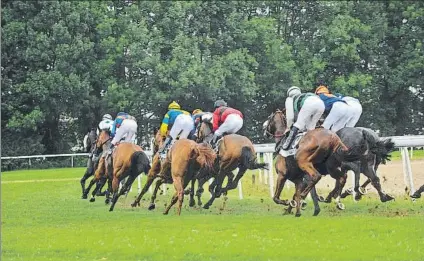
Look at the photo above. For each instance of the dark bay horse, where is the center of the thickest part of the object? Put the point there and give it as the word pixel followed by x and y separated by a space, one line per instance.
pixel 186 158
pixel 103 171
pixel 234 151
pixel 319 152
pixel 90 146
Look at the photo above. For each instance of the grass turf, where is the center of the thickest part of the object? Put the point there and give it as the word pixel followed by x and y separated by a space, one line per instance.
pixel 48 221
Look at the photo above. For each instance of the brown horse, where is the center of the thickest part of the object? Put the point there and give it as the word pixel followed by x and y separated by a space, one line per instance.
pixel 164 176
pixel 319 149
pixel 101 173
pixel 234 151
pixel 186 158
pixel 129 160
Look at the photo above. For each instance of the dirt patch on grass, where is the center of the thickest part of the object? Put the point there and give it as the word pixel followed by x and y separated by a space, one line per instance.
pixel 391 177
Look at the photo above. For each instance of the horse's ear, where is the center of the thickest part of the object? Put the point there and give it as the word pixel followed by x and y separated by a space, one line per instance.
pixel 155 130
pixel 284 110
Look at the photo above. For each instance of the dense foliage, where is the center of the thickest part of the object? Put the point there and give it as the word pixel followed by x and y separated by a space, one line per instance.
pixel 64 64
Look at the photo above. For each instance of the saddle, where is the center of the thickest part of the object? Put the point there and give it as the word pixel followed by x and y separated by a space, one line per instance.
pixel 293 147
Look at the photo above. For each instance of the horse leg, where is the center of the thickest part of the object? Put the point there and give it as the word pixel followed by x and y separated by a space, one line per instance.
pixel 230 183
pixel 417 193
pixel 341 178
pixel 280 166
pixel 99 184
pixel 314 175
pixel 87 190
pixel 122 191
pixel 200 183
pixel 314 196
pixel 109 189
pixel 234 183
pixel 332 193
pixel 218 181
pixel 192 201
pixel 363 187
pixel 88 173
pixel 173 201
pixel 152 200
pixel 375 181
pixel 150 179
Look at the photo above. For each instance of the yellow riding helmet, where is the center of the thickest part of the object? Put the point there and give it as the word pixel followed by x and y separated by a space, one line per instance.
pixel 197 111
pixel 322 89
pixel 174 105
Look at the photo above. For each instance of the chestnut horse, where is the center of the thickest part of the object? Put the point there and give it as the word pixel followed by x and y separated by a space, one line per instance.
pixel 319 152
pixel 234 151
pixel 186 158
pixel 155 172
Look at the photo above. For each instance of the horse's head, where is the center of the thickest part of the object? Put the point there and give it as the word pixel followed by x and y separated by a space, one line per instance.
pixel 103 138
pixel 275 126
pixel 157 141
pixel 204 128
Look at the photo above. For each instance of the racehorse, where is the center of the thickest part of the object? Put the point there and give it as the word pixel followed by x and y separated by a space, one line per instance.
pixel 186 158
pixel 378 151
pixel 129 160
pixel 234 151
pixel 103 171
pixel 89 146
pixel 164 176
pixel 319 152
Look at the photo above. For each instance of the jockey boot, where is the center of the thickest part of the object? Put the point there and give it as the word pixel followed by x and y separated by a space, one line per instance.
pixel 214 140
pixel 110 150
pixel 290 138
pixel 165 146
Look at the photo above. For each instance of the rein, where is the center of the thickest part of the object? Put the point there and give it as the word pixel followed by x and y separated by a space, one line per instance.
pixel 105 142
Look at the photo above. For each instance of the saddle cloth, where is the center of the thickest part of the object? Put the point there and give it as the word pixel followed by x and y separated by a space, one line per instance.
pixel 293 147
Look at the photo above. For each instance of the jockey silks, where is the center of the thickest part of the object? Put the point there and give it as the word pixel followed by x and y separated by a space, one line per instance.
pixel 169 119
pixel 221 114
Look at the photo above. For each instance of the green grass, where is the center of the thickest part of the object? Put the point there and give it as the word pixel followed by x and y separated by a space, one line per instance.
pixel 49 221
pixel 416 155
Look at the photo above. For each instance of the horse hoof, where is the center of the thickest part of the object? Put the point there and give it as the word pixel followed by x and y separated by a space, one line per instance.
pixel 134 205
pixel 340 206
pixel 297 215
pixel 111 209
pixel 358 197
pixel 321 199
pixel 92 199
pixel 84 196
pixel 192 204
pixel 415 196
pixel 344 195
pixel 362 191
pixel 107 201
pixel 152 206
pixel 316 212
pixel 349 191
pixel 386 198
pixel 303 205
pixel 293 203
pixel 206 206
pixel 199 203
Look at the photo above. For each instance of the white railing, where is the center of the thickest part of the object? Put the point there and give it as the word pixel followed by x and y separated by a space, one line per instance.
pixel 267 149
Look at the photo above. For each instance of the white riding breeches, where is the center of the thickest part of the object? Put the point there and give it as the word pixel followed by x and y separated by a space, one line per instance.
pixel 355 111
pixel 232 124
pixel 183 125
pixel 337 117
pixel 128 129
pixel 310 113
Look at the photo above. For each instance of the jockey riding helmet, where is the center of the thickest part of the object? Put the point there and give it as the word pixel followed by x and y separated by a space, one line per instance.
pixel 293 91
pixel 174 105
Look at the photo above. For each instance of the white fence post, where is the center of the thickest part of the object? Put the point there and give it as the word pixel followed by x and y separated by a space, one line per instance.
pixel 407 171
pixel 72 161
pixel 258 156
pixel 271 174
pixel 240 189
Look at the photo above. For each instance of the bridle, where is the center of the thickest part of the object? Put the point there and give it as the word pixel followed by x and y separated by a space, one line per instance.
pixel 271 117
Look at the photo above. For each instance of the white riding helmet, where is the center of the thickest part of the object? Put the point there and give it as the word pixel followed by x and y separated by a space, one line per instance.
pixel 293 91
pixel 107 116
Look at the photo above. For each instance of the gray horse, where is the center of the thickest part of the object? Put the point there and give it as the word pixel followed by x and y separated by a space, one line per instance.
pixel 93 158
pixel 378 151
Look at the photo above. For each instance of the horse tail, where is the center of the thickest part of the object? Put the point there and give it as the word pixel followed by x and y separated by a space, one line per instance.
pixel 204 155
pixel 383 150
pixel 380 147
pixel 248 159
pixel 344 153
pixel 140 163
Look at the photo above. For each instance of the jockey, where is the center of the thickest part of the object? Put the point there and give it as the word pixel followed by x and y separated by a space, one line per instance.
pixel 226 120
pixel 125 127
pixel 106 123
pixel 355 109
pixel 303 110
pixel 336 108
pixel 197 115
pixel 179 122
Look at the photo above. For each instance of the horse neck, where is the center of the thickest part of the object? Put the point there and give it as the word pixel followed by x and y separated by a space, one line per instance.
pixel 280 128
